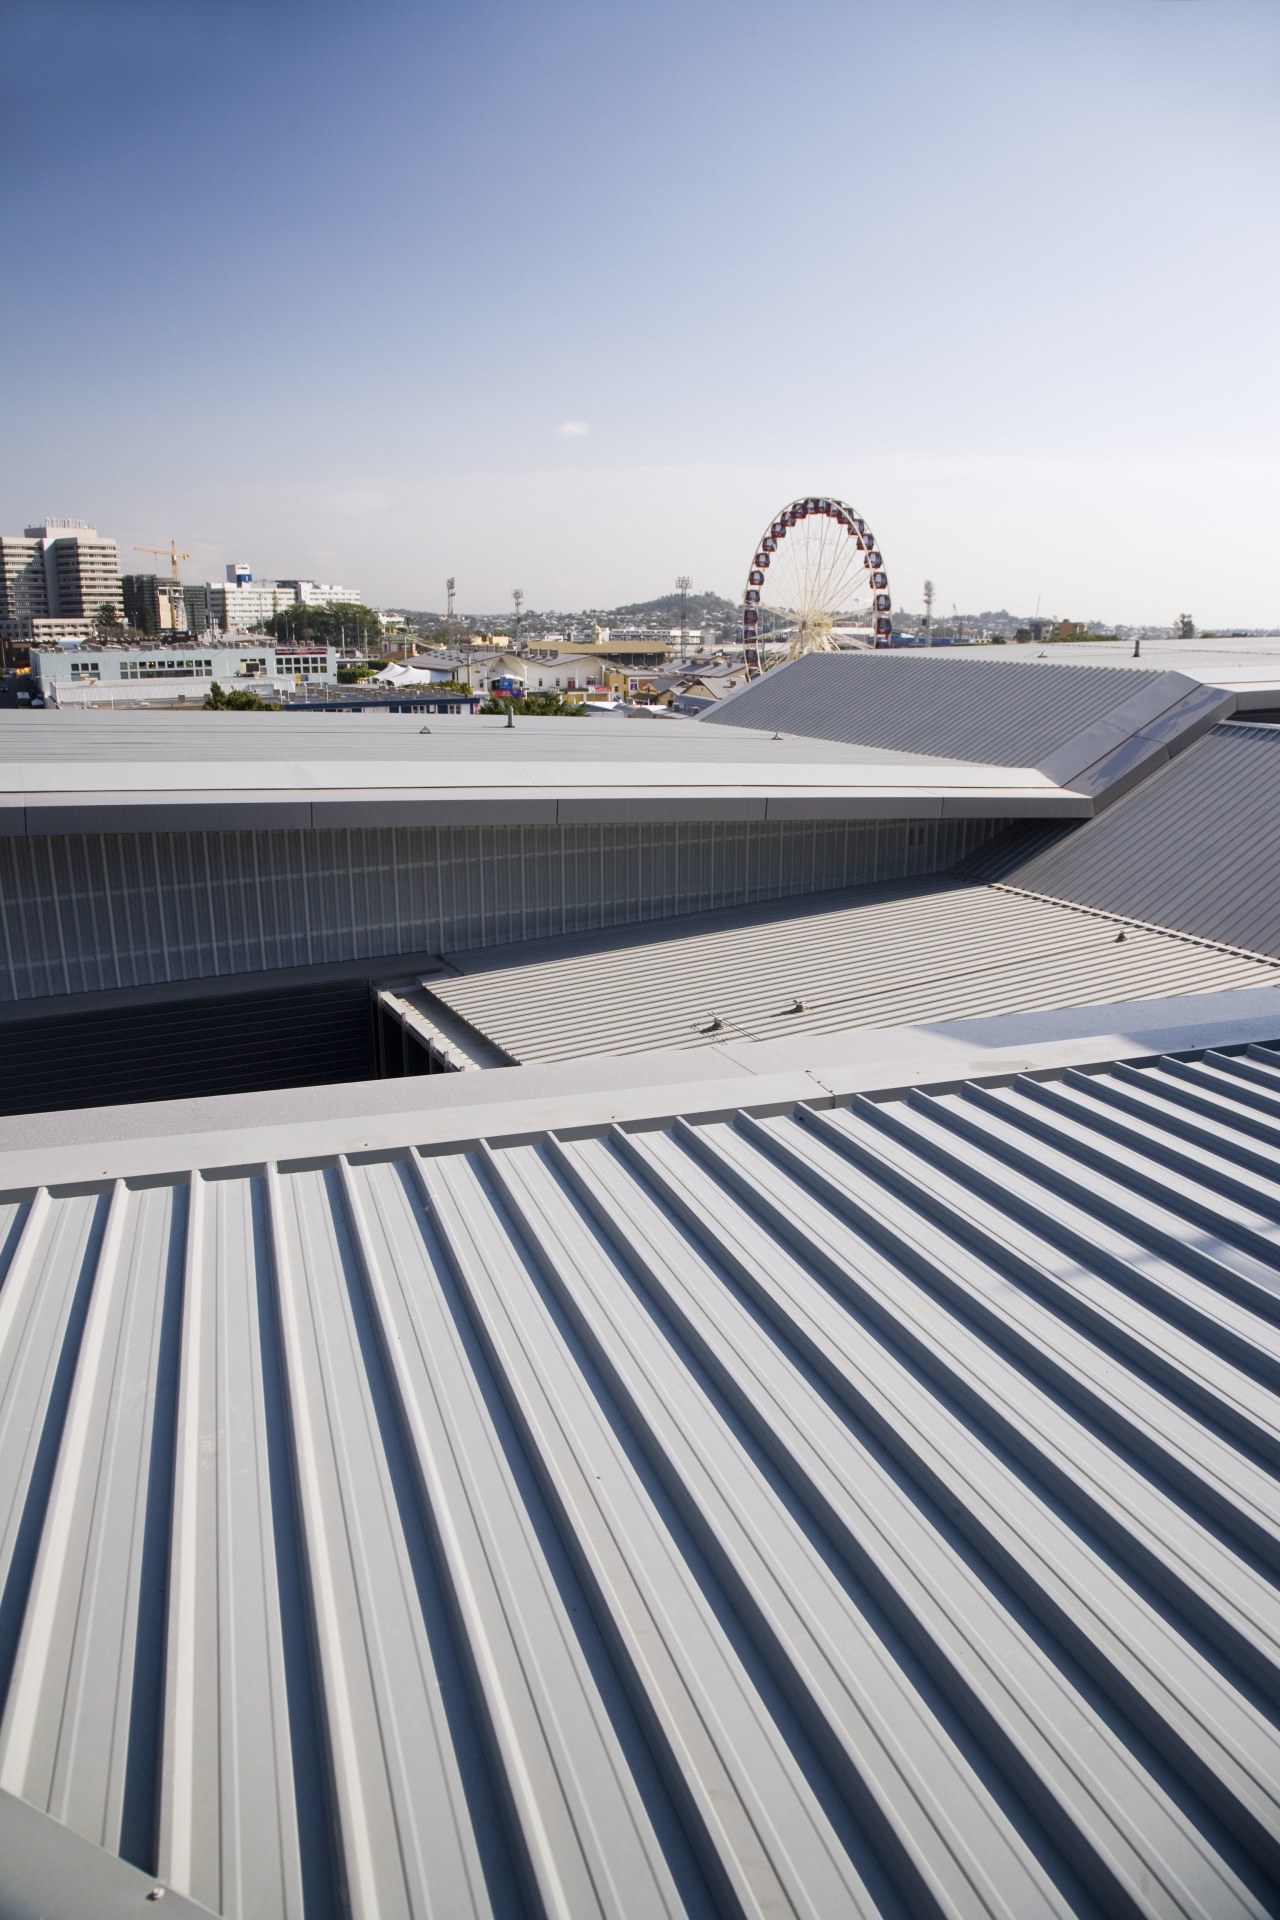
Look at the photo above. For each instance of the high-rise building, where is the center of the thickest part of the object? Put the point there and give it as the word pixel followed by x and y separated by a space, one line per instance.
pixel 24 595
pixel 81 569
pixel 62 570
pixel 153 605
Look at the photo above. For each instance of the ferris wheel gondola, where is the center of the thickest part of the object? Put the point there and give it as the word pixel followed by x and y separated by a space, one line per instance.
pixel 817 583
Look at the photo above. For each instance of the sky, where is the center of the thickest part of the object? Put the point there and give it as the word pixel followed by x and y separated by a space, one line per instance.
pixel 572 295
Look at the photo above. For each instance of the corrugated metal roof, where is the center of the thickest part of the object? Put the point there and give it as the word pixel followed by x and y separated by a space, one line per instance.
pixel 877 956
pixel 997 711
pixel 1195 847
pixel 870 1511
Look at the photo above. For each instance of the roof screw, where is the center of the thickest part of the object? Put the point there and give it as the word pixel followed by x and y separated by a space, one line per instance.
pixel 1121 936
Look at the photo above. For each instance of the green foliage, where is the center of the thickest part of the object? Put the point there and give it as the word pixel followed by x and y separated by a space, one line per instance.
pixel 701 608
pixel 239 700
pixel 538 706
pixel 1185 627
pixel 108 620
pixel 325 626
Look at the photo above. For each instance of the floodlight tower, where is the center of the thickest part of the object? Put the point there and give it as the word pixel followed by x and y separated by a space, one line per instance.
pixel 517 601
pixel 683 585
pixel 928 604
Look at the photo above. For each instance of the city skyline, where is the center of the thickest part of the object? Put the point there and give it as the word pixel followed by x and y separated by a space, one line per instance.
pixel 576 303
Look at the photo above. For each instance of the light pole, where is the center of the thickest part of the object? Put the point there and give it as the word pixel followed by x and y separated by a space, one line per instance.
pixel 517 600
pixel 683 585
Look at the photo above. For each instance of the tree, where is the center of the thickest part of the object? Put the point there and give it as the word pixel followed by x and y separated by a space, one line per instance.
pixel 325 626
pixel 538 706
pixel 239 700
pixel 108 620
pixel 1185 627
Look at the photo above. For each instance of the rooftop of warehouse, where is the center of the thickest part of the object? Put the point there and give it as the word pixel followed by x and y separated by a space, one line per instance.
pixel 985 706
pixel 866 956
pixel 831 1477
pixel 867 735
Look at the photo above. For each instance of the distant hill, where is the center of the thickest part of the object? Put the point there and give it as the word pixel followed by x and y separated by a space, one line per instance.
pixel 700 606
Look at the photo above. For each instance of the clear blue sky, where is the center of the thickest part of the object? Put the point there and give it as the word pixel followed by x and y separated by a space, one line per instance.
pixel 320 287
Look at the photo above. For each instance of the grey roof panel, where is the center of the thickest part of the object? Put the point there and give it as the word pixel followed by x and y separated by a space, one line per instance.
pixel 868 1511
pixel 994 711
pixel 1196 847
pixel 138 740
pixel 871 956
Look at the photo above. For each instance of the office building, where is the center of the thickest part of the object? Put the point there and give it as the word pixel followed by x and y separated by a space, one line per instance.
pixel 258 660
pixel 315 593
pixel 233 605
pixel 61 570
pixel 24 595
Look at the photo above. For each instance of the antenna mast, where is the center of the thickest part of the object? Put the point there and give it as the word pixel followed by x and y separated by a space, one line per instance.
pixel 683 585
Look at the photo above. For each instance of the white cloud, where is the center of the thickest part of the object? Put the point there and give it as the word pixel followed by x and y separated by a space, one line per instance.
pixel 572 430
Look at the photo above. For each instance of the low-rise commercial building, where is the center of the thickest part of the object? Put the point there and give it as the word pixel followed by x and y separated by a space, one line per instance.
pixel 256 659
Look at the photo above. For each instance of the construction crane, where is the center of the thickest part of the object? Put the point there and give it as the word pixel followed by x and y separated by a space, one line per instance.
pixel 174 553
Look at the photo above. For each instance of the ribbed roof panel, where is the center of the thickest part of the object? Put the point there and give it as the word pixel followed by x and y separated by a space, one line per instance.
pixel 1195 847
pixel 870 957
pixel 1001 712
pixel 871 1511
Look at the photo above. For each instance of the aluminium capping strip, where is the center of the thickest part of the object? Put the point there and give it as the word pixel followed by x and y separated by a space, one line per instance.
pixel 589 1844
pixel 1110 1820
pixel 755 1819
pixel 853 1340
pixel 1072 1584
pixel 950 1844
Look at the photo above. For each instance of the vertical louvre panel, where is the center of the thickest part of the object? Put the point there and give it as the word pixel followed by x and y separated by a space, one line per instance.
pixel 86 912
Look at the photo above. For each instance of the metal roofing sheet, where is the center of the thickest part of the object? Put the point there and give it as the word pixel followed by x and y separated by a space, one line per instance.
pixel 1195 847
pixel 878 956
pixel 194 740
pixel 995 711
pixel 870 1511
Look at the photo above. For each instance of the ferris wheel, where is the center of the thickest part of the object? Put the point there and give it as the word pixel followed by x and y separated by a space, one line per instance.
pixel 817 583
